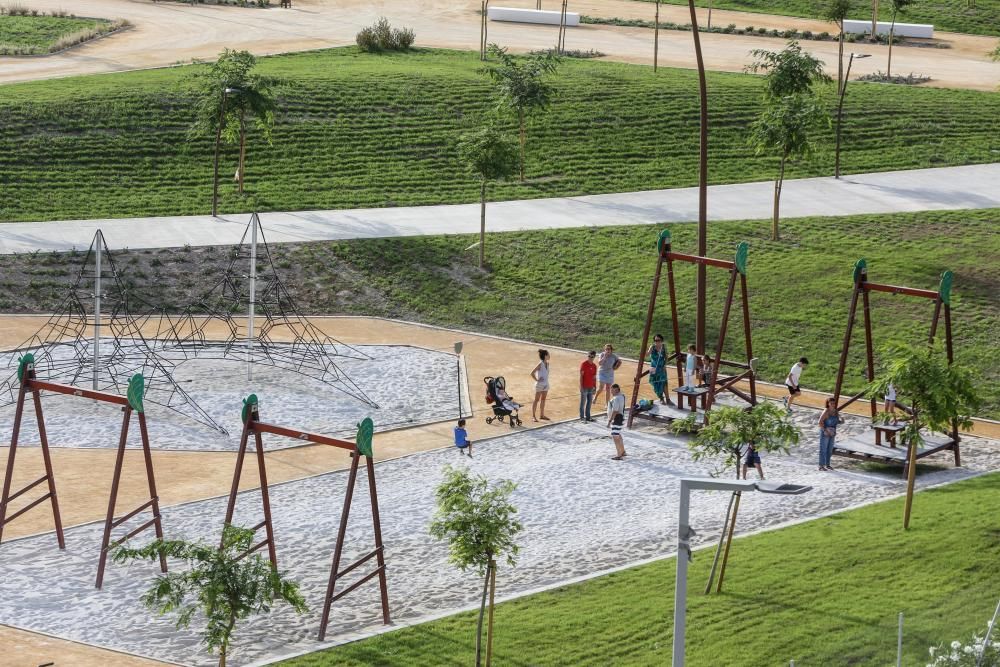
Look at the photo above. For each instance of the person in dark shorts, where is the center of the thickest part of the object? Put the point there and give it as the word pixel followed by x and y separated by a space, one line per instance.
pixel 462 439
pixel 792 382
pixel 752 459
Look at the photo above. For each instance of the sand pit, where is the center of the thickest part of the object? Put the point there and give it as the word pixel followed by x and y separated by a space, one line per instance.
pixel 411 385
pixel 582 512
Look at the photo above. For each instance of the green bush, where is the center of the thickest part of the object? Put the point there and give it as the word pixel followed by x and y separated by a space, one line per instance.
pixel 383 37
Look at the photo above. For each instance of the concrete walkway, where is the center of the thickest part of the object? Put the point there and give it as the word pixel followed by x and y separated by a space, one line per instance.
pixel 949 188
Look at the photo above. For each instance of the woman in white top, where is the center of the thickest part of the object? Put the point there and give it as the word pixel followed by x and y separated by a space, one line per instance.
pixel 540 374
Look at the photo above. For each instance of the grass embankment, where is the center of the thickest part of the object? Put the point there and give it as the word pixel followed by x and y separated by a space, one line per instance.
pixel 24 35
pixel 825 592
pixel 584 287
pixel 361 130
pixel 983 18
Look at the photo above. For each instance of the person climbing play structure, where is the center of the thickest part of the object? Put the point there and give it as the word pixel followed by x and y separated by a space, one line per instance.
pixel 362 447
pixel 716 384
pixel 130 403
pixel 871 448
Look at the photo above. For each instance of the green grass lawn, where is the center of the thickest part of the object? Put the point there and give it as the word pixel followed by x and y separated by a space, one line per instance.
pixel 22 35
pixel 949 15
pixel 584 287
pixel 826 592
pixel 358 130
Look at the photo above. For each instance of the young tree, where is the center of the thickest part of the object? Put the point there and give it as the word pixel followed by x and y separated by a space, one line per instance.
pixel 791 110
pixel 836 11
pixel 227 93
pixel 656 36
pixel 941 398
pixel 520 86
pixel 480 525
pixel 897 7
pixel 728 435
pixel 222 583
pixel 491 155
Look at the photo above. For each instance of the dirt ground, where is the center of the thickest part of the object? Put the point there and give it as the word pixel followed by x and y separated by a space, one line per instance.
pixel 167 33
pixel 84 475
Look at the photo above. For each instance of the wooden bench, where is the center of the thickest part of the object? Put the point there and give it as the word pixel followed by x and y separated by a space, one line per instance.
pixel 890 431
pixel 864 448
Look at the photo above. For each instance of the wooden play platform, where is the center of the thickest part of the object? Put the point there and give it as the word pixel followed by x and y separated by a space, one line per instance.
pixel 864 448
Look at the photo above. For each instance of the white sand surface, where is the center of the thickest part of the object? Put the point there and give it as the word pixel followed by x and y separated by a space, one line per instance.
pixel 582 513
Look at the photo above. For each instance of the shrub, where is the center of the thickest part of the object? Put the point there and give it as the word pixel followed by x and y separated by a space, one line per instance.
pixel 807 34
pixel 761 31
pixel 729 29
pixel 823 35
pixel 383 37
pixel 749 29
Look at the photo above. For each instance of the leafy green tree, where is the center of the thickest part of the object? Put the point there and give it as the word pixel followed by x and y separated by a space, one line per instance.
pixel 941 396
pixel 791 110
pixel 480 525
pixel 520 86
pixel 897 7
pixel 220 582
pixel 731 431
pixel 836 11
pixel 227 93
pixel 491 155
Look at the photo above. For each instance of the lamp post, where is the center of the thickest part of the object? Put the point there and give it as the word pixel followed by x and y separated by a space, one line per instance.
pixel 840 108
pixel 226 92
pixel 685 533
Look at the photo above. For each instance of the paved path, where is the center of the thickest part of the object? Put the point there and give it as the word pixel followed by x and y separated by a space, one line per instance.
pixel 166 33
pixel 969 187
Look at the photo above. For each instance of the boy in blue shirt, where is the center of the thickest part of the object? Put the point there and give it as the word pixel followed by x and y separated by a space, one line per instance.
pixel 462 439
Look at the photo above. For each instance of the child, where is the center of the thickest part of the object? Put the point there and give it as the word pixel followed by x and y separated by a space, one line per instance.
pixel 616 419
pixel 752 459
pixel 792 382
pixel 689 369
pixel 462 439
pixel 890 402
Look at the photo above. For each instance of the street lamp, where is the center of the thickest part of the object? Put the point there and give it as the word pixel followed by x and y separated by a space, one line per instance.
pixel 685 533
pixel 226 92
pixel 840 107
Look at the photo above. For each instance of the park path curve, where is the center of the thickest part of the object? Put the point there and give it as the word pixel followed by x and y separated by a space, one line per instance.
pixel 168 33
pixel 946 188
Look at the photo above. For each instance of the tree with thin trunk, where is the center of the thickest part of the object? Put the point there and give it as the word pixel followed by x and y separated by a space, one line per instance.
pixel 491 155
pixel 229 95
pixel 479 522
pixel 656 36
pixel 222 583
pixel 520 86
pixel 727 438
pixel 837 11
pixel 940 396
pixel 897 7
pixel 791 111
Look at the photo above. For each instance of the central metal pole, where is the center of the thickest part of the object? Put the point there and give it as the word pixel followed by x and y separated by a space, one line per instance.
pixel 254 222
pixel 680 586
pixel 98 242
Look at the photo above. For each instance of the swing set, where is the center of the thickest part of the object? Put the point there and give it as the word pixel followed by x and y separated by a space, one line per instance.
pixel 252 425
pixel 130 404
pixel 872 449
pixel 707 393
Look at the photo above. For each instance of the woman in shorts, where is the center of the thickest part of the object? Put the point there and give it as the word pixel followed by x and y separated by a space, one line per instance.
pixel 540 374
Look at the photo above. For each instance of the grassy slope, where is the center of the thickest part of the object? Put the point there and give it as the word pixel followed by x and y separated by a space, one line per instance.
pixel 822 593
pixel 362 130
pixel 949 15
pixel 585 287
pixel 40 32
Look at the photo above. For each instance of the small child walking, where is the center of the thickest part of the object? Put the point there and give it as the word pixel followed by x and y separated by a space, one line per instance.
pixel 752 459
pixel 691 363
pixel 462 439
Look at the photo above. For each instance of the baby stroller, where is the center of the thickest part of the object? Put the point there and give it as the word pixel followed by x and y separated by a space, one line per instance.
pixel 503 405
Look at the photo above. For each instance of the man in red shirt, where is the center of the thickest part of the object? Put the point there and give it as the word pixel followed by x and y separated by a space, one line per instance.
pixel 588 385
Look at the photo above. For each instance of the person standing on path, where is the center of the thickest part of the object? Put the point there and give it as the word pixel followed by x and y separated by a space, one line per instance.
pixel 540 374
pixel 616 418
pixel 690 367
pixel 607 363
pixel 658 369
pixel 588 385
pixel 792 382
pixel 828 422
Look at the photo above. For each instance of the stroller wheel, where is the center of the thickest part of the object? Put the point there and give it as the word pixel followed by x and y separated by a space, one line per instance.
pixel 489 420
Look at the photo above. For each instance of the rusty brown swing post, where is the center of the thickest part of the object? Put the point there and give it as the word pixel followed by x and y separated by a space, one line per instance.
pixel 363 447
pixel 744 370
pixel 855 448
pixel 132 403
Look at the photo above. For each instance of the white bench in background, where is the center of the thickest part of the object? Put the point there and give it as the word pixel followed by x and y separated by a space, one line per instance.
pixel 544 16
pixel 902 29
